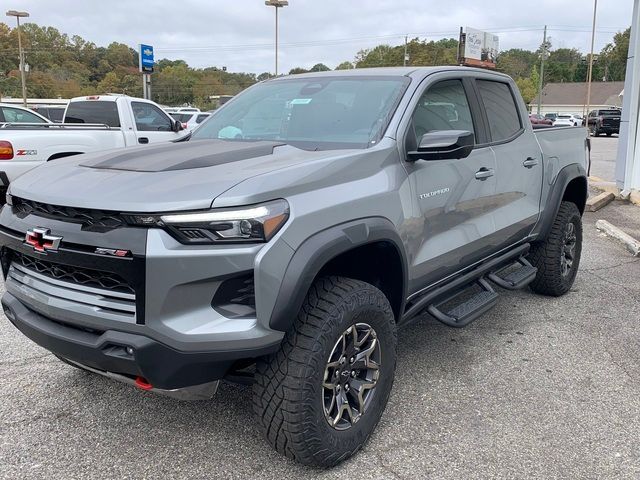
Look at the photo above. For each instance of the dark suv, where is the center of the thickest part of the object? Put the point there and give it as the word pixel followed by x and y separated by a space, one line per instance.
pixel 605 121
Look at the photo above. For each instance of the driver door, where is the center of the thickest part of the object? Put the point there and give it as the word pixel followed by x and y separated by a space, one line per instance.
pixel 452 198
pixel 152 124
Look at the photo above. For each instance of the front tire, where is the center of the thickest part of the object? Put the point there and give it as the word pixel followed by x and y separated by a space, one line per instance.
pixel 557 258
pixel 319 398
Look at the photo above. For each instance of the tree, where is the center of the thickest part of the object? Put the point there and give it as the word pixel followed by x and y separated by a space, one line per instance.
pixel 613 58
pixel 264 76
pixel 319 67
pixel 345 66
pixel 296 70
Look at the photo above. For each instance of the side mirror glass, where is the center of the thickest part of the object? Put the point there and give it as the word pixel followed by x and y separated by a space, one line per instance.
pixel 177 126
pixel 444 145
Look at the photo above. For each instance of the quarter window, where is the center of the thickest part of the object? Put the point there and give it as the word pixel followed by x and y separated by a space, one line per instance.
pixel 443 106
pixel 502 112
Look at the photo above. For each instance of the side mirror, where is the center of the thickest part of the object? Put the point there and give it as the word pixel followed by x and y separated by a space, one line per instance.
pixel 444 145
pixel 177 126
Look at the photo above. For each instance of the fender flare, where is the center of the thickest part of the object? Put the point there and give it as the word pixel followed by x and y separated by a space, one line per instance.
pixel 554 198
pixel 320 248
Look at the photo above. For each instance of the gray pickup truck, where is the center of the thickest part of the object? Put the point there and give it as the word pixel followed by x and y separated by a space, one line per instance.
pixel 290 237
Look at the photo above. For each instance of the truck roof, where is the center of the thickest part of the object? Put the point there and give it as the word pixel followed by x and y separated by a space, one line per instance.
pixel 397 71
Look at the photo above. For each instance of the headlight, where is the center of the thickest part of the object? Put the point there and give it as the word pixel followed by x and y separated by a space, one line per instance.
pixel 253 223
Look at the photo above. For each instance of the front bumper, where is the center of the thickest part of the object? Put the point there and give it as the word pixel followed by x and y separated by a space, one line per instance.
pixel 161 366
pixel 161 300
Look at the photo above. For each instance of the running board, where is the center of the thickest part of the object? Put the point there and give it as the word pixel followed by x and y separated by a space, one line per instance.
pixel 517 279
pixel 466 312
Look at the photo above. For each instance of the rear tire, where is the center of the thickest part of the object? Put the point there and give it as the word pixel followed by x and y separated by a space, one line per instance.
pixel 557 258
pixel 300 392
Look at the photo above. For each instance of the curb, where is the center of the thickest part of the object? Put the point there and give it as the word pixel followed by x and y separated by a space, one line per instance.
pixel 602 199
pixel 630 243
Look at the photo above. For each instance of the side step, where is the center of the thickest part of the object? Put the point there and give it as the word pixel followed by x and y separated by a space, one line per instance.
pixel 465 313
pixel 516 279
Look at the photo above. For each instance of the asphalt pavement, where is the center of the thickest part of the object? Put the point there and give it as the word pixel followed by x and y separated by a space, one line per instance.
pixel 603 157
pixel 538 388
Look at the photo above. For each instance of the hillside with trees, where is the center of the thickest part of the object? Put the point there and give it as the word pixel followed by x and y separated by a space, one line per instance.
pixel 64 66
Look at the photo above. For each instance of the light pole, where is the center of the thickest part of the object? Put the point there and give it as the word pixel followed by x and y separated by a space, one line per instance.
pixel 590 70
pixel 277 4
pixel 19 15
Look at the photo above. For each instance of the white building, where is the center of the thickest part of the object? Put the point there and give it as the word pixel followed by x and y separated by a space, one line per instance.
pixel 570 97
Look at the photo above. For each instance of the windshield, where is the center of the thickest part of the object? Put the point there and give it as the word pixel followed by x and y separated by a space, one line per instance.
pixel 311 113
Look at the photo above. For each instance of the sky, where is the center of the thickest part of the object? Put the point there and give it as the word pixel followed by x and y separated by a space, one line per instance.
pixel 239 34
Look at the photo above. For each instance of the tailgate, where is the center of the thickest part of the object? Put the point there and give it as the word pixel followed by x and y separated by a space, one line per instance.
pixel 611 122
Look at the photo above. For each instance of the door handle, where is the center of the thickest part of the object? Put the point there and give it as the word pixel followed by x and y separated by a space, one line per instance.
pixel 530 162
pixel 484 173
pixel 143 140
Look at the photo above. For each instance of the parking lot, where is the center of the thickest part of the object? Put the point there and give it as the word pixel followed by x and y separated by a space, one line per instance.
pixel 538 388
pixel 603 155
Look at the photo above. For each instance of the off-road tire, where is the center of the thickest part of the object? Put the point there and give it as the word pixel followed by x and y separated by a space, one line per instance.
pixel 287 393
pixel 546 255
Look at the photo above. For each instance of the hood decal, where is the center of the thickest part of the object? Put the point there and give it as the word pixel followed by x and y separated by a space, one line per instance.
pixel 181 156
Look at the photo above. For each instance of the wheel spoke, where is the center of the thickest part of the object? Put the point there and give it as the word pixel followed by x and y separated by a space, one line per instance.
pixel 360 387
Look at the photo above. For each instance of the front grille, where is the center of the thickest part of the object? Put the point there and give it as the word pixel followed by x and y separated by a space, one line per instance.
pixel 91 220
pixel 75 296
pixel 77 275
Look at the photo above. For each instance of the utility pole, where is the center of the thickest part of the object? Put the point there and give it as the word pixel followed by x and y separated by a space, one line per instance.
pixel 544 57
pixel 590 72
pixel 277 4
pixel 18 15
pixel 406 56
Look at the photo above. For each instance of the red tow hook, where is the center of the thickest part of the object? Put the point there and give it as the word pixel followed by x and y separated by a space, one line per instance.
pixel 143 384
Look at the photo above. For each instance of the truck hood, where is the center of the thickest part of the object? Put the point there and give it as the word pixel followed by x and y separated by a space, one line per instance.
pixel 157 178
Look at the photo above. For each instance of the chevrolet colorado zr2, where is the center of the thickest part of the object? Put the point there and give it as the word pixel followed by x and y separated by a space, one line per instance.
pixel 285 242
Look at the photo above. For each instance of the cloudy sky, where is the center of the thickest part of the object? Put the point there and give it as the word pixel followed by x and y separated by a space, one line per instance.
pixel 239 34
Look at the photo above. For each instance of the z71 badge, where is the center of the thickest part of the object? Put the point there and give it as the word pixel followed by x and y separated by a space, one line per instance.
pixel 22 153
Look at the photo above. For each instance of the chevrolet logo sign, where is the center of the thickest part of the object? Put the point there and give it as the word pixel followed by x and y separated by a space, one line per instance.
pixel 41 240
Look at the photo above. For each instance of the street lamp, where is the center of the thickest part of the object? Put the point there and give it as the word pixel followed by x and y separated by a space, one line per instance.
pixel 19 15
pixel 277 4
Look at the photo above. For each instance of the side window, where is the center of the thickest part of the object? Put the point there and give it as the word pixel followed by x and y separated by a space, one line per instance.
pixel 201 118
pixel 502 112
pixel 150 118
pixel 16 115
pixel 443 106
pixel 93 111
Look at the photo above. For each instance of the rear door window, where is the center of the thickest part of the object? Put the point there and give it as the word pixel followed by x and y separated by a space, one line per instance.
pixel 502 112
pixel 201 118
pixel 92 111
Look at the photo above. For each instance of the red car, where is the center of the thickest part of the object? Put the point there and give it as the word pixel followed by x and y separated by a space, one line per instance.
pixel 537 119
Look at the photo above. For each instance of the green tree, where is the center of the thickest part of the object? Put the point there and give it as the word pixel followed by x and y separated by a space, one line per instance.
pixel 319 67
pixel 345 66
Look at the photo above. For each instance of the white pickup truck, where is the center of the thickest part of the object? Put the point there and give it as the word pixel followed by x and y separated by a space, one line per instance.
pixel 90 124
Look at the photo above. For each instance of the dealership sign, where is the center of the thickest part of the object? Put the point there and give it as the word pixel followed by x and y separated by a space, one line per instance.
pixel 478 48
pixel 146 58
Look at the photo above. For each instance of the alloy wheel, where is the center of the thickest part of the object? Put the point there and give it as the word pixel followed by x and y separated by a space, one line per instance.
pixel 351 375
